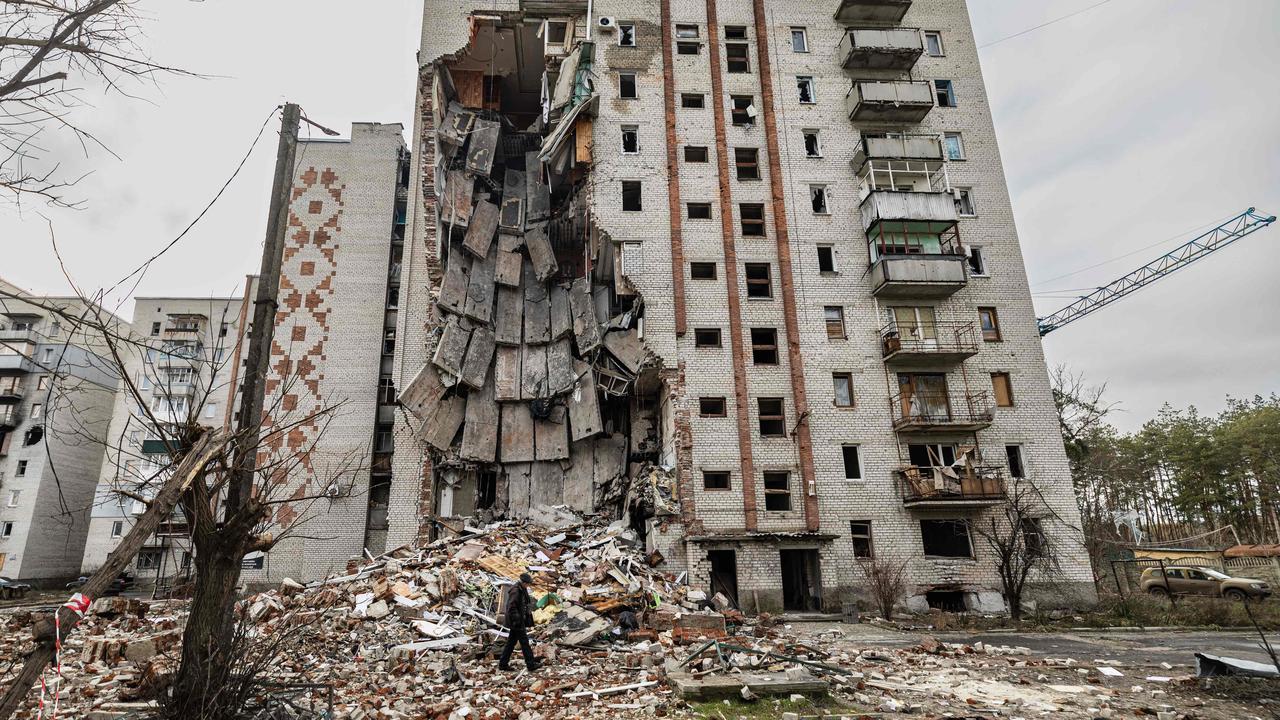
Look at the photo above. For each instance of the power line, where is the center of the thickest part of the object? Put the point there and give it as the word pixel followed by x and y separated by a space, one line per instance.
pixel 1043 25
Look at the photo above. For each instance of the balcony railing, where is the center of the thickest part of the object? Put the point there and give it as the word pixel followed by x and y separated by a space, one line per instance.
pixel 937 342
pixel 19 337
pixel 11 391
pixel 922 412
pixel 10 418
pixel 961 485
pixel 889 102
pixel 924 148
pixel 881 49
pixel 874 11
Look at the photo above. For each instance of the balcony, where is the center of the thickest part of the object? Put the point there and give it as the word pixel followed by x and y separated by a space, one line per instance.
pixel 881 49
pixel 948 487
pixel 889 102
pixel 25 336
pixel 10 392
pixel 935 412
pixel 885 155
pixel 933 344
pixel 873 11
pixel 10 418
pixel 930 213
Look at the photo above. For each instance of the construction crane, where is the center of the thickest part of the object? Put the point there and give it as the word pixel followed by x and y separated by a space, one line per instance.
pixel 1242 225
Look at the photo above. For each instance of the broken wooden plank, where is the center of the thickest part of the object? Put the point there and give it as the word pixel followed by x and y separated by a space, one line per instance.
pixel 537 194
pixel 506 373
pixel 586 328
pixel 508 322
pixel 561 315
pixel 482 147
pixel 483 227
pixel 480 433
pixel 475 365
pixel 507 270
pixel 452 347
pixel 513 190
pixel 457 206
pixel 584 405
pixel 560 375
pixel 625 346
pixel 457 274
pixel 439 430
pixel 534 372
pixel 546 485
pixel 480 290
pixel 541 255
pixel 517 433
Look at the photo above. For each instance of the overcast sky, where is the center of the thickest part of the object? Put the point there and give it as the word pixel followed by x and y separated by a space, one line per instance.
pixel 1125 126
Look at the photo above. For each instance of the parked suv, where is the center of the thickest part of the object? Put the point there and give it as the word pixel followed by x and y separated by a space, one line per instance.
pixel 1183 580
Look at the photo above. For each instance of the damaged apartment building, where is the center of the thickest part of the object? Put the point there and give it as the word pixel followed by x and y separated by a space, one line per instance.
pixel 743 273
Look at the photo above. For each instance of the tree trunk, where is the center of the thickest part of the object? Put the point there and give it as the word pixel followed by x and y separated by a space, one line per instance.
pixel 208 642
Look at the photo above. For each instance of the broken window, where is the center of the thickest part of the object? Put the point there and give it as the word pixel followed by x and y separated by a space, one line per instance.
pixel 752 219
pixel 741 110
pixel 695 153
pixel 631 196
pixel 736 55
pixel 692 100
pixel 556 31
pixel 155 328
pixel 379 502
pixel 977 263
pixel 812 146
pixel 759 281
pixel 386 391
pixel 818 199
pixel 627 34
pixel 799 40
pixel 964 203
pixel 715 480
pixel 804 84
pixel 764 346
pixel 492 91
pixel 735 32
pixel 21 470
pixel 706 337
pixel 699 210
pixel 384 439
pixel 945 600
pixel 933 43
pixel 686 32
pixel 1014 454
pixel 630 139
pixel 826 259
pixel 842 385
pixel 393 297
pixel 1033 538
pixel 946 538
pixel 777 491
pixel 688 48
pixel 833 316
pixel 945 92
pixel 702 270
pixel 627 85
pixel 149 558
pixel 747 162
pixel 773 419
pixel 860 532
pixel 389 341
pixel 33 436
pixel 711 407
pixel 931 455
pixel 1003 387
pixel 852 462
pixel 990 321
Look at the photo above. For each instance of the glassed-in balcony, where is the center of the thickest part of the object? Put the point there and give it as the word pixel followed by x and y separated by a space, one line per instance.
pixel 888 153
pixel 889 102
pixel 954 486
pixel 881 49
pixel 17 356
pixel 872 11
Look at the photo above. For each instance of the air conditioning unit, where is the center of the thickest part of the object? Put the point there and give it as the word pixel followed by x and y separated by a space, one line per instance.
pixel 607 23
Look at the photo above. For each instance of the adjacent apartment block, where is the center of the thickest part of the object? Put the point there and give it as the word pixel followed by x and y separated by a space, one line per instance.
pixel 57 388
pixel 742 271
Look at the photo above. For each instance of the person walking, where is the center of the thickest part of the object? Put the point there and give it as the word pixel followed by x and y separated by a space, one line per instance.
pixel 519 617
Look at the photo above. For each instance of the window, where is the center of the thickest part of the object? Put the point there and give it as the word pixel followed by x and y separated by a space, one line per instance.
pixel 117 528
pixel 715 480
pixel 764 346
pixel 945 92
pixel 826 259
pixel 711 407
pixel 627 85
pixel 735 32
pixel 155 329
pixel 386 391
pixel 706 337
pixel 692 100
pixel 777 491
pixel 1003 387
pixel 852 462
pixel 702 271
pixel 492 90
pixel 393 297
pixel 752 219
pixel 818 199
pixel 804 85
pixel 556 31
pixel 686 32
pixel 389 341
pixel 631 196
pixel 688 48
pixel 954 143
pixel 149 558
pixel 977 263
pixel 630 139
pixel 842 386
pixel 773 419
pixel 695 153
pixel 833 316
pixel 759 281
pixel 627 34
pixel 933 43
pixel 747 162
pixel 946 538
pixel 223 329
pixel 860 531
pixel 6 530
pixel 699 210
pixel 21 470
pixel 210 411
pixel 1016 468
pixel 990 324
pixel 736 55
pixel 13 497
pixel 37 410
pixel 42 383
pixel 1033 537
pixel 799 40
pixel 742 110
pixel 964 203
pixel 812 144
pixel 48 355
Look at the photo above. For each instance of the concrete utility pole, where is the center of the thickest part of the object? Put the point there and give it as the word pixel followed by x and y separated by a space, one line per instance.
pixel 258 357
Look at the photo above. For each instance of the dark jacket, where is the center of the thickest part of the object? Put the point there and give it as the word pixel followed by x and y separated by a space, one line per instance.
pixel 519 606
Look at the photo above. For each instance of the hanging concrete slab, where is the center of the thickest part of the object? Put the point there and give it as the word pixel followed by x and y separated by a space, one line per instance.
pixel 506 373
pixel 480 432
pixel 584 404
pixel 452 347
pixel 457 275
pixel 475 364
pixel 586 329
pixel 541 255
pixel 561 315
pixel 483 228
pixel 517 433
pixel 482 146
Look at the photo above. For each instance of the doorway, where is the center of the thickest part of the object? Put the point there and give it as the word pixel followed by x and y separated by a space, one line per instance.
pixel 724 574
pixel 801 581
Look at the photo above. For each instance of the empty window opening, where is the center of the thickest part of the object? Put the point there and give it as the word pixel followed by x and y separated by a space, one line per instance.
pixel 965 206
pixel 706 337
pixel 627 34
pixel 826 259
pixel 833 316
pixel 627 85
pixel 842 387
pixel 804 84
pixel 977 262
pixel 695 153
pixel 735 32
pixel 724 574
pixel 759 280
pixel 945 600
pixel 379 503
pixel 773 418
pixel 747 163
pixel 692 100
pixel 1003 388
pixel 736 58
pixel 688 48
pixel 702 271
pixel 801 581
pixel 711 407
pixel 752 219
pixel 556 31
pixel 21 470
pixel 946 538
pixel 699 211
pixel 946 93
pixel 486 490
pixel 777 491
pixel 818 199
pixel 812 144
pixel 852 462
pixel 764 346
pixel 715 479
pixel 1014 454
pixel 631 139
pixel 931 455
pixel 799 40
pixel 1033 538
pixel 933 43
pixel 860 531
pixel 492 90
pixel 631 196
pixel 742 110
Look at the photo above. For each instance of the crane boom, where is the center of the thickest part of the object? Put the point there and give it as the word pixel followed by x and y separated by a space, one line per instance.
pixel 1244 224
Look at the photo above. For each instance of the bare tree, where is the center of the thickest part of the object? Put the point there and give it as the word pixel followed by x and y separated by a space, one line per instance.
pixel 886 581
pixel 1014 534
